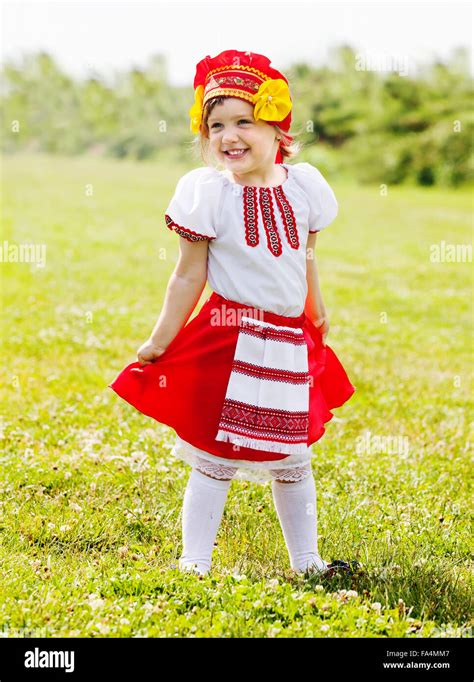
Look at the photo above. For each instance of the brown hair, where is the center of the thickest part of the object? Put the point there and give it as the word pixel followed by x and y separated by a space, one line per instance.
pixel 200 145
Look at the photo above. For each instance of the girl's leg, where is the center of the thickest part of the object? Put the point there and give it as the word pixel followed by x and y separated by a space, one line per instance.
pixel 295 503
pixel 203 506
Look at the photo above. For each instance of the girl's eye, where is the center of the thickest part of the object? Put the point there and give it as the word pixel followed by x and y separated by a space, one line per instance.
pixel 242 120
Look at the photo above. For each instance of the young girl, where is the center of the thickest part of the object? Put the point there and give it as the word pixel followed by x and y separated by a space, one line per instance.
pixel 249 383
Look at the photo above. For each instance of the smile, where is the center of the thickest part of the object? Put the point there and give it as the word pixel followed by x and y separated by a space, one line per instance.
pixel 236 153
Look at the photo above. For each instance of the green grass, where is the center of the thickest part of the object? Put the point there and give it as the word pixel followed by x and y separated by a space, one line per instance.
pixel 90 497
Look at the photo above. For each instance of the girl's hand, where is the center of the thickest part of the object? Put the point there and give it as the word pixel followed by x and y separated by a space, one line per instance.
pixel 148 352
pixel 322 323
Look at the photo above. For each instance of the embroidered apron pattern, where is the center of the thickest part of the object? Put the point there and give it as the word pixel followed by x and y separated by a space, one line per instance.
pixel 266 405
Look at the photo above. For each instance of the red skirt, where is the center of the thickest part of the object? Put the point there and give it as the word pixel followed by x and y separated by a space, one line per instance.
pixel 185 387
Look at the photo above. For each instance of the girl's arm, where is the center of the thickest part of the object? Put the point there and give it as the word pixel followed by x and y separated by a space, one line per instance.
pixel 314 305
pixel 184 290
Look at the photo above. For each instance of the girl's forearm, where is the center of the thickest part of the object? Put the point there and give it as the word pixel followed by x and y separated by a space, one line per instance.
pixel 181 297
pixel 314 306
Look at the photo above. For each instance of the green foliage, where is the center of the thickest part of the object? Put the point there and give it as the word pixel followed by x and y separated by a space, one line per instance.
pixel 377 127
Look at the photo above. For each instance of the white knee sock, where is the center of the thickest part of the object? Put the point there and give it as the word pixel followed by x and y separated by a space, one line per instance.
pixel 295 504
pixel 203 506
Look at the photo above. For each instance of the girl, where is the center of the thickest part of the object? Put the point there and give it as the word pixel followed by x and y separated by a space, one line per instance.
pixel 248 384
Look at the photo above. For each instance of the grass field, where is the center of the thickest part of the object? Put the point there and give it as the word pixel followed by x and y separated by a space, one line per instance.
pixel 90 497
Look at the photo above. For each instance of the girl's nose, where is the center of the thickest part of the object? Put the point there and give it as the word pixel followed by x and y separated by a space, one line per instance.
pixel 229 135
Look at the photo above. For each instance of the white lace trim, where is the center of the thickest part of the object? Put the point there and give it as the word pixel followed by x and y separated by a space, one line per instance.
pixel 294 475
pixel 226 472
pixel 215 470
pixel 292 468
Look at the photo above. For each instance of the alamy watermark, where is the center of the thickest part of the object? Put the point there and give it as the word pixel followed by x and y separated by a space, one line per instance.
pixel 23 253
pixel 372 444
pixel 450 253
pixel 42 658
pixel 227 316
pixel 371 61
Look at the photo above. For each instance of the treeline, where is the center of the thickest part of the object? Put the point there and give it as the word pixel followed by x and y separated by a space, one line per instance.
pixel 369 124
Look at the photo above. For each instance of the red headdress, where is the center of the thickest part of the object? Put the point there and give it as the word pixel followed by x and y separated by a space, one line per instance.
pixel 246 75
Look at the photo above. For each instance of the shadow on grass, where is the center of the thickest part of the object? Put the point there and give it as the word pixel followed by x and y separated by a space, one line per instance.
pixel 435 593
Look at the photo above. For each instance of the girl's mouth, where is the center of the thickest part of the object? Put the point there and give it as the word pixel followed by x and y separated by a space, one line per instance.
pixel 236 154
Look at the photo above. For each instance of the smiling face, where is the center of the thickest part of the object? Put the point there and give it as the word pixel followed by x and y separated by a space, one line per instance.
pixel 232 127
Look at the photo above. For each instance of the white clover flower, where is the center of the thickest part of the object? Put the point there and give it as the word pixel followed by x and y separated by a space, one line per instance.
pixel 95 602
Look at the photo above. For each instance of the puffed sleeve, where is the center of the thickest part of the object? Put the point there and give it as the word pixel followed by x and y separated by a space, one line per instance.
pixel 323 206
pixel 192 211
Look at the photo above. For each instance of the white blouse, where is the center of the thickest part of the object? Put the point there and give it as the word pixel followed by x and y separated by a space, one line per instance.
pixel 257 235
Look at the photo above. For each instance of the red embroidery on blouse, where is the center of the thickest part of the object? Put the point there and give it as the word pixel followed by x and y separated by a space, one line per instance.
pixel 288 217
pixel 268 217
pixel 185 232
pixel 251 215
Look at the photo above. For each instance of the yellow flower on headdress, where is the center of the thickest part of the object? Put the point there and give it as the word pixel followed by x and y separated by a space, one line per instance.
pixel 272 101
pixel 195 112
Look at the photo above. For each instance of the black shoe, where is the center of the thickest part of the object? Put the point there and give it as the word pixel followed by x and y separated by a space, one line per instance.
pixel 341 567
